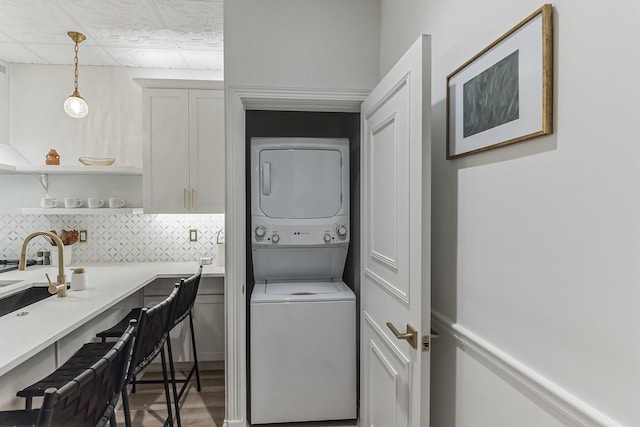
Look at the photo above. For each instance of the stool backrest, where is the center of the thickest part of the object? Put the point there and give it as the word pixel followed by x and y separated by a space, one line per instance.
pixel 187 291
pixel 91 397
pixel 151 333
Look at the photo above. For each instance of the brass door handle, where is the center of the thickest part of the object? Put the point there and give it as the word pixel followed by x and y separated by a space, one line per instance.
pixel 411 335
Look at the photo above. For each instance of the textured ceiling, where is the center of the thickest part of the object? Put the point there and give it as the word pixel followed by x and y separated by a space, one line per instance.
pixel 138 33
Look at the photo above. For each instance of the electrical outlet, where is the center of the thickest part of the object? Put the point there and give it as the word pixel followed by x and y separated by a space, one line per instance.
pixel 193 235
pixel 83 236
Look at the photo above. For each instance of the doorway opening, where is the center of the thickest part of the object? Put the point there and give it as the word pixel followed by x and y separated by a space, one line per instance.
pixel 241 100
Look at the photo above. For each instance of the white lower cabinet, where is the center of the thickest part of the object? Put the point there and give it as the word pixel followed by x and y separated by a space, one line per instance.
pixel 208 319
pixel 209 322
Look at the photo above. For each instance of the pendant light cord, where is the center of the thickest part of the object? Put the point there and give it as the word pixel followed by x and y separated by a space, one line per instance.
pixel 75 106
pixel 75 73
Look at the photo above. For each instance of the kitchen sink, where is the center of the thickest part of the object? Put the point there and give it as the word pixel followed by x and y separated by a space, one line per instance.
pixel 8 282
pixel 23 298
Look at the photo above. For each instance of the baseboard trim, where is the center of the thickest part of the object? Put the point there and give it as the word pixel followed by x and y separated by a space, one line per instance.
pixel 562 404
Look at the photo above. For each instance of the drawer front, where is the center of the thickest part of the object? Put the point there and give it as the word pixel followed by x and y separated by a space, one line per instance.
pixel 163 286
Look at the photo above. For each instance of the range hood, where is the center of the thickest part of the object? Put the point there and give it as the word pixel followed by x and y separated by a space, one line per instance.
pixel 9 156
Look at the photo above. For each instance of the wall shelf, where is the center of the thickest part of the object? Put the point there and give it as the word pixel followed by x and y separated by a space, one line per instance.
pixel 81 211
pixel 79 170
pixel 72 170
pixel 42 172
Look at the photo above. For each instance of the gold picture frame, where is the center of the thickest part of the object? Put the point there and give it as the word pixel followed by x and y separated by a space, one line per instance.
pixel 504 94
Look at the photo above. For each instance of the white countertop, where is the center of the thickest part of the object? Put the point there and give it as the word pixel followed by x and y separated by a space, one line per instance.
pixel 53 318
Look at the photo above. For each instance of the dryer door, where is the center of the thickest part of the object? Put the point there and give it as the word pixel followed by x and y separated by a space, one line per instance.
pixel 300 183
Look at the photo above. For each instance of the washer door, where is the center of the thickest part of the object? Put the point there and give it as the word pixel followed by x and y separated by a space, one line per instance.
pixel 301 288
pixel 285 292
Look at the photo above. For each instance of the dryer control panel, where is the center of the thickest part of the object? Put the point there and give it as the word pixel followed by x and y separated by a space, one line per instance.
pixel 264 234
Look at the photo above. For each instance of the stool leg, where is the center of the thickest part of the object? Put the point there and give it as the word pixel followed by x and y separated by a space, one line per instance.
pixel 166 387
pixel 125 407
pixel 176 400
pixel 28 403
pixel 195 356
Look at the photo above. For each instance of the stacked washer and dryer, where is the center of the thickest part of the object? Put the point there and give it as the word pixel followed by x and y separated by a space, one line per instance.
pixel 303 316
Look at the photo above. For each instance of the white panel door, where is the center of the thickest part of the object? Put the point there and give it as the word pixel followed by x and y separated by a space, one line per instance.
pixel 395 276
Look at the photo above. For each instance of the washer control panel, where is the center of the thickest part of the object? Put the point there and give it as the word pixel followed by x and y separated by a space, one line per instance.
pixel 323 234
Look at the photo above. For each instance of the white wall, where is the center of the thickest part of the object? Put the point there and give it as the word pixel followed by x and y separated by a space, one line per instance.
pixel 113 127
pixel 302 43
pixel 535 244
pixel 4 104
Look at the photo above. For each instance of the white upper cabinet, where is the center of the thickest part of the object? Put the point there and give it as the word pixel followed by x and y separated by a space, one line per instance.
pixel 183 151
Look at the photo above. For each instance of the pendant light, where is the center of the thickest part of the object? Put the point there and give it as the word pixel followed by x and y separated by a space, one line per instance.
pixel 75 105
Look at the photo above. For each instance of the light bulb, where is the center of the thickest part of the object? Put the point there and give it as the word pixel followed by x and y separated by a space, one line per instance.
pixel 76 107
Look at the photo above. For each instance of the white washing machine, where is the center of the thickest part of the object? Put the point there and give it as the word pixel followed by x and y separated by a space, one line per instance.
pixel 303 352
pixel 303 317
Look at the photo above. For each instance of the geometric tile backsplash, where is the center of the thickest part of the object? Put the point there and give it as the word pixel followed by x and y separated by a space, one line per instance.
pixel 117 238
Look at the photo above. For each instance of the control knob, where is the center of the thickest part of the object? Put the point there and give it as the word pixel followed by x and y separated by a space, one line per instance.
pixel 341 230
pixel 260 231
pixel 327 237
pixel 275 238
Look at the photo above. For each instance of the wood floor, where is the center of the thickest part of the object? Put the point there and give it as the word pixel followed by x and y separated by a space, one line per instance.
pixel 204 408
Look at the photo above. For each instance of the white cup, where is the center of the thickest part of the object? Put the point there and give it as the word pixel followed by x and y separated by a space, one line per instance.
pixel 72 202
pixel 48 202
pixel 114 202
pixel 78 279
pixel 93 203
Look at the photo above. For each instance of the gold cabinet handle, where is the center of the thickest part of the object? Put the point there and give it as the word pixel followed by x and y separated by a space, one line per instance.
pixel 193 198
pixel 411 335
pixel 185 197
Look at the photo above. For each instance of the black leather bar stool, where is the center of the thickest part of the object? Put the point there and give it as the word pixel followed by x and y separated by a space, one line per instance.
pixel 187 292
pixel 88 355
pixel 151 335
pixel 89 399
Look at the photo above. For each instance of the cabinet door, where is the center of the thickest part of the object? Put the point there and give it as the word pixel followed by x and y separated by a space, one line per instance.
pixel 206 131
pixel 166 151
pixel 208 319
pixel 209 327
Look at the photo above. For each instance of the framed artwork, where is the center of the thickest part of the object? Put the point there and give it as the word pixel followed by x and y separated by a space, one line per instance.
pixel 504 94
